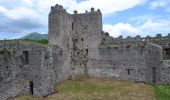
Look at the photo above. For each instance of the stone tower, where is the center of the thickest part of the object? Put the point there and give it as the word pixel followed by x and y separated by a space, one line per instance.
pixel 79 35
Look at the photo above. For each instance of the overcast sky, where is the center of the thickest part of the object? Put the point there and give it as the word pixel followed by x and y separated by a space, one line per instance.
pixel 120 17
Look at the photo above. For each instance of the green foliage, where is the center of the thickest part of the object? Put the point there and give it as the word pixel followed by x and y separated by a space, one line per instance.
pixel 160 41
pixel 5 51
pixel 43 41
pixel 162 92
pixel 2 52
pixel 167 57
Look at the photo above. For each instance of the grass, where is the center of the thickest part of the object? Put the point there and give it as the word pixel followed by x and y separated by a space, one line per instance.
pixel 42 42
pixel 29 97
pixel 100 90
pixel 162 92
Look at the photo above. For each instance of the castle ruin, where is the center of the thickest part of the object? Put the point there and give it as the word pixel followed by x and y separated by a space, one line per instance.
pixel 78 48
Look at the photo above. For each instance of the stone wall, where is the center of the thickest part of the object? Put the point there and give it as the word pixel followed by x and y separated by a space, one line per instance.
pixel 27 68
pixel 118 63
pixel 90 52
pixel 60 34
pixel 154 58
pixel 78 48
pixel 86 39
pixel 79 36
pixel 165 72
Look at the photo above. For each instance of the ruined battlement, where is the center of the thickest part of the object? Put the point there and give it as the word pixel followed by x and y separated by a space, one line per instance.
pixel 78 47
pixel 59 8
pixel 164 41
pixel 64 28
pixel 92 11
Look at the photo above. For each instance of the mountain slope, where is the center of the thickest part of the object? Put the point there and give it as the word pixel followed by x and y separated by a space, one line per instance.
pixel 35 36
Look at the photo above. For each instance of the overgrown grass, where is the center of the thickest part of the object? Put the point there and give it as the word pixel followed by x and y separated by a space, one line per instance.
pixel 162 92
pixel 29 97
pixel 42 42
pixel 100 90
pixel 103 90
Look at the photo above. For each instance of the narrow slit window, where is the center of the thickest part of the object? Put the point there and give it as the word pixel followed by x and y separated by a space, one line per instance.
pixel 25 57
pixel 82 39
pixel 61 52
pixel 31 88
pixel 87 51
pixel 129 71
pixel 149 51
pixel 72 26
pixel 78 53
pixel 154 75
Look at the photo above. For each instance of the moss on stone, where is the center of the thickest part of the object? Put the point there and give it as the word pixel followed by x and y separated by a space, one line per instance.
pixel 4 51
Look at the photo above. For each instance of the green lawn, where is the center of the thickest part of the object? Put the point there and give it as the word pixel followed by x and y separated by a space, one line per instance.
pixel 99 90
pixel 162 92
pixel 105 90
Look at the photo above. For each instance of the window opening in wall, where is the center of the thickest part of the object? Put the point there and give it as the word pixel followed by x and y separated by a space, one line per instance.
pixel 78 53
pixel 167 53
pixel 25 57
pixel 6 67
pixel 128 46
pixel 72 26
pixel 108 47
pixel 76 40
pixel 74 62
pixel 31 88
pixel 149 51
pixel 0 78
pixel 87 51
pixel 153 75
pixel 85 27
pixel 82 39
pixel 61 52
pixel 129 71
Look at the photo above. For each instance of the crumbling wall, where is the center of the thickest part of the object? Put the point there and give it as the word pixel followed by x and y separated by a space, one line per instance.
pixel 78 35
pixel 87 28
pixel 165 73
pixel 10 85
pixel 32 64
pixel 154 58
pixel 123 63
pixel 16 87
pixel 127 63
pixel 60 34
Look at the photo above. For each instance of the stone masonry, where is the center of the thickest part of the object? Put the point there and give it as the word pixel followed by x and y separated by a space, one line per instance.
pixel 78 48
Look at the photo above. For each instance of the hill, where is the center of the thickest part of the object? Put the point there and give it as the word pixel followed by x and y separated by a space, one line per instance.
pixel 35 36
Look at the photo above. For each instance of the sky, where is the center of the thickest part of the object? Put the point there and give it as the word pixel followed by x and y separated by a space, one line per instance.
pixel 120 17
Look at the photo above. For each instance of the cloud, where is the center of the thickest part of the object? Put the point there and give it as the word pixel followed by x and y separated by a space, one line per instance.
pixel 109 7
pixel 121 29
pixel 32 15
pixel 145 25
pixel 156 4
pixel 160 4
pixel 24 15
